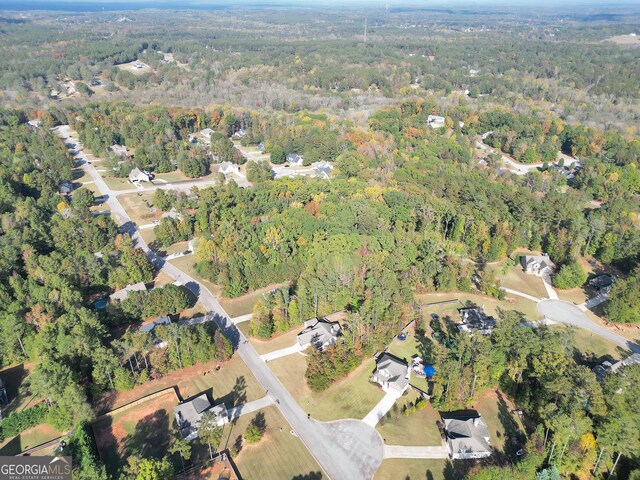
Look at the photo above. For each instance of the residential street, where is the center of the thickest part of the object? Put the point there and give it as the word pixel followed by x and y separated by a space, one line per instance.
pixel 347 449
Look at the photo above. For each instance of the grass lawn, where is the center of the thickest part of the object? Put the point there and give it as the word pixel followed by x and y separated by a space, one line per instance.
pixel 593 349
pixel 146 429
pixel 277 342
pixel 186 264
pixel 489 304
pixel 17 385
pixel 178 176
pixel 243 305
pixel 79 176
pixel 516 279
pixel 129 67
pixel 279 455
pixel 495 408
pixel 148 235
pixel 29 438
pixel 139 207
pixel 412 469
pixel 575 295
pixel 417 428
pixel 115 183
pixel 350 397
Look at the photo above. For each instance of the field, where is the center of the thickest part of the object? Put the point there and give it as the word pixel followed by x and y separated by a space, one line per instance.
pixel 279 341
pixel 129 67
pixel 186 265
pixel 626 40
pixel 412 469
pixel 417 428
pixel 29 438
pixel 279 455
pixel 350 397
pixel 139 207
pixel 145 429
pixel 243 305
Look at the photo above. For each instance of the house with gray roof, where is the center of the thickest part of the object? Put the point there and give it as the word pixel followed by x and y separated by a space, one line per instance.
pixel 136 175
pixel 319 333
pixel 228 168
pixel 123 293
pixel 150 327
pixel 120 150
pixel 537 264
pixel 602 283
pixel 294 160
pixel 189 415
pixel 392 373
pixel 475 320
pixel 606 366
pixel 435 121
pixel 467 435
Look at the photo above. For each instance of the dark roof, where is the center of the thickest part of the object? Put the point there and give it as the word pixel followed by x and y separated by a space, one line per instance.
pixel 602 281
pixel 474 318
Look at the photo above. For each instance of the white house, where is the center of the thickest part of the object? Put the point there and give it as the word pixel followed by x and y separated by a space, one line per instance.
pixel 138 175
pixel 35 123
pixel 435 121
pixel 120 150
pixel 322 169
pixel 392 373
pixel 537 264
pixel 319 333
pixel 228 167
pixel 295 160
pixel 206 133
pixel 467 436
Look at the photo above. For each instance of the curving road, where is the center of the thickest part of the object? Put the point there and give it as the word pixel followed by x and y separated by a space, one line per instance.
pixel 345 449
pixel 560 311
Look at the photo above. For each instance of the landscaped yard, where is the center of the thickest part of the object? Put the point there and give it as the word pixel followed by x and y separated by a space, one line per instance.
pixel 29 438
pixel 146 429
pixel 413 469
pixel 417 428
pixel 279 455
pixel 279 341
pixel 351 397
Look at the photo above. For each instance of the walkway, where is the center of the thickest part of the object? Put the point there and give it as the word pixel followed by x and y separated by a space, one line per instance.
pixel 380 410
pixel 520 294
pixel 284 352
pixel 345 450
pixel 546 280
pixel 406 451
pixel 250 407
pixel 242 318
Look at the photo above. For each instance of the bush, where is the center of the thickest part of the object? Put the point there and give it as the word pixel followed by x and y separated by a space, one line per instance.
pixel 123 380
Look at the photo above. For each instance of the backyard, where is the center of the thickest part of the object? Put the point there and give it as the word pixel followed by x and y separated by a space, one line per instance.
pixel 350 397
pixel 29 438
pixel 495 408
pixel 279 455
pixel 145 429
pixel 407 349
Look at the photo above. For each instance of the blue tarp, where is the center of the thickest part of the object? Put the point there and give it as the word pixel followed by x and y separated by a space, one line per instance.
pixel 429 371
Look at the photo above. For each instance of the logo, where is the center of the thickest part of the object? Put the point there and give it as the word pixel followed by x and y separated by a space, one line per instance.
pixel 35 468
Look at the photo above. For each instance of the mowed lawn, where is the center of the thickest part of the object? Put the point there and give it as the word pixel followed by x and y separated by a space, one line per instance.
pixel 593 348
pixel 17 384
pixel 417 428
pixel 186 264
pixel 146 429
pixel 350 397
pixel 139 207
pixel 413 469
pixel 516 279
pixel 279 341
pixel 279 455
pixel 29 438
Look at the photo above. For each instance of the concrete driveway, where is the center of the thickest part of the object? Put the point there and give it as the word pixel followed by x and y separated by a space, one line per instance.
pixel 283 352
pixel 405 451
pixel 560 311
pixel 380 410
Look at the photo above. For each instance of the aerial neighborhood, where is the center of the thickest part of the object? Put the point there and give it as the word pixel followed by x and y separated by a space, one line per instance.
pixel 305 242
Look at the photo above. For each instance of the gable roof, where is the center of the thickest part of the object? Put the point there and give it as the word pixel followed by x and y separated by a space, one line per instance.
pixel 319 333
pixel 188 415
pixel 542 260
pixel 467 435
pixel 392 370
pixel 474 318
pixel 150 326
pixel 124 292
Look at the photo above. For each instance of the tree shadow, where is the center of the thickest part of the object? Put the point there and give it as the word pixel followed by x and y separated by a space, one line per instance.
pixel 16 386
pixel 150 437
pixel 309 476
pixel 515 437
pixel 107 445
pixel 458 469
pixel 429 475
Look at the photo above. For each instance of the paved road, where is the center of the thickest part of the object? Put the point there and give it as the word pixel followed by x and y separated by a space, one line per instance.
pixel 405 451
pixel 560 311
pixel 346 449
pixel 520 168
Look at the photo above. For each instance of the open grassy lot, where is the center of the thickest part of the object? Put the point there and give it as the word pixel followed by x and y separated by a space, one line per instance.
pixel 186 265
pixel 417 428
pixel 575 295
pixel 413 469
pixel 243 305
pixel 495 408
pixel 277 342
pixel 351 397
pixel 129 67
pixel 593 349
pixel 145 429
pixel 29 438
pixel 279 455
pixel 490 305
pixel 79 176
pixel 139 207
